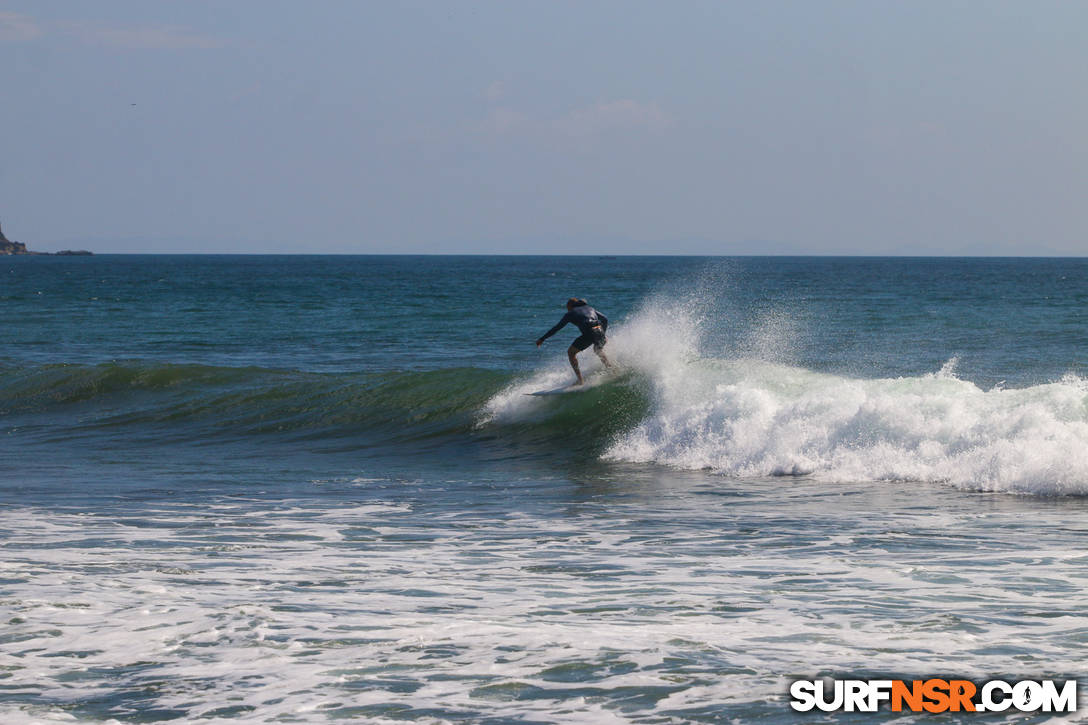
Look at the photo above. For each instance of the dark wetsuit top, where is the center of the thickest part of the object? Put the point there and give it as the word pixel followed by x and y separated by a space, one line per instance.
pixel 590 323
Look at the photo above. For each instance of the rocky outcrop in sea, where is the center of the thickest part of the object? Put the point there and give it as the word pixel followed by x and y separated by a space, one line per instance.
pixel 9 247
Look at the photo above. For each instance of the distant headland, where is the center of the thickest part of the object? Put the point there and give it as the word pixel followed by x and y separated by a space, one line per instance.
pixel 9 247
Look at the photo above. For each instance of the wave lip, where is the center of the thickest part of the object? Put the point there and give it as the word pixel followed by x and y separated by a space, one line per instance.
pixel 751 418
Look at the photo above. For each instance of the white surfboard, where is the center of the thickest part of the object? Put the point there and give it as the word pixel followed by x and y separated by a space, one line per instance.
pixel 593 379
pixel 561 391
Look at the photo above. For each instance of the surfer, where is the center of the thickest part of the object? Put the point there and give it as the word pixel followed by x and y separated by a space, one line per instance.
pixel 591 323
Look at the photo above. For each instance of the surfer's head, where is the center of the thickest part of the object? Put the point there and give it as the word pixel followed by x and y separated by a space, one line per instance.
pixel 575 302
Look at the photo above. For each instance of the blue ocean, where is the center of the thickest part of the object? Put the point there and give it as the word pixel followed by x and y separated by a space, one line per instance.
pixel 295 489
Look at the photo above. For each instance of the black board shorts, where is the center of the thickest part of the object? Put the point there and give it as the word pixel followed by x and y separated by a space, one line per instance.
pixel 596 339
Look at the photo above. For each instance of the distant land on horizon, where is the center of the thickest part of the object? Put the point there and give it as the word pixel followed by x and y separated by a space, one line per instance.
pixel 609 248
pixel 9 247
pixel 219 247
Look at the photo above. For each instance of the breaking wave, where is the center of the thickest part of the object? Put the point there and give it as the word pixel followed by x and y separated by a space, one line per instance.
pixel 750 417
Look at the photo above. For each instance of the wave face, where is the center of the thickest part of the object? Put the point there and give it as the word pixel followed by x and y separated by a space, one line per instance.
pixel 390 413
pixel 193 399
pixel 748 417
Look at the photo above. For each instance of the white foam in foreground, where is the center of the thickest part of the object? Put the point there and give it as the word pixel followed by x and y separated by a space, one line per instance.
pixel 670 604
pixel 315 616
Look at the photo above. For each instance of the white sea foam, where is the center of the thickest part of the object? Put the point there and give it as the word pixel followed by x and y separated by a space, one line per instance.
pixel 752 418
pixel 659 608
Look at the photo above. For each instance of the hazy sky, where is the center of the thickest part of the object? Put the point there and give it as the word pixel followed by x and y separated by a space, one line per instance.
pixel 818 127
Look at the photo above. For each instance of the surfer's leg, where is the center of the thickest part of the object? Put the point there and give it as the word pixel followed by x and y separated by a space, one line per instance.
pixel 598 347
pixel 572 355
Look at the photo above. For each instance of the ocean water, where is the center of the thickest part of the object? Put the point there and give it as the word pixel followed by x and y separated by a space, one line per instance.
pixel 311 489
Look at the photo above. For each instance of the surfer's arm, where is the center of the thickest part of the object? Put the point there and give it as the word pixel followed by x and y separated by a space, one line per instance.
pixel 604 322
pixel 557 328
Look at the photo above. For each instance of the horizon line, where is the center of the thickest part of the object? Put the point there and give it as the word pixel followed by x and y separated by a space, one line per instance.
pixel 596 255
